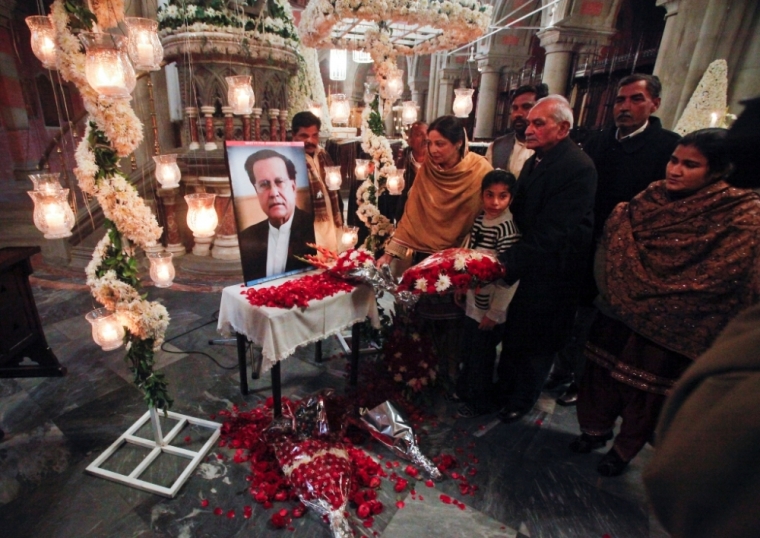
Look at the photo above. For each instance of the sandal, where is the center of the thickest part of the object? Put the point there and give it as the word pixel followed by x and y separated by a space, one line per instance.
pixel 611 464
pixel 585 443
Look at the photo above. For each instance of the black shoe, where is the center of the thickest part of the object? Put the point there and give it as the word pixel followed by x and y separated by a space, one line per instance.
pixel 556 381
pixel 509 416
pixel 584 443
pixel 452 397
pixel 611 464
pixel 570 396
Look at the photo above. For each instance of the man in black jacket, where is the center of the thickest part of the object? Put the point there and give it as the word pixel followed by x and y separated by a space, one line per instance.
pixel 628 157
pixel 553 209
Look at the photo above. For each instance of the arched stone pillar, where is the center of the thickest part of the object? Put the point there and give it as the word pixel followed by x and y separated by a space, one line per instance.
pixel 487 96
pixel 560 44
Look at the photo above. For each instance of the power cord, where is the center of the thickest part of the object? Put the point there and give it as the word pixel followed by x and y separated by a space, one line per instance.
pixel 215 318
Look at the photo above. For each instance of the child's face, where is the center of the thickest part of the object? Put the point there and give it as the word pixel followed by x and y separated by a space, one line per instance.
pixel 496 199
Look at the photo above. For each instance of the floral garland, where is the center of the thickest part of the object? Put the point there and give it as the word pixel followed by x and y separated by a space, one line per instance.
pixel 114 131
pixel 377 146
pixel 460 21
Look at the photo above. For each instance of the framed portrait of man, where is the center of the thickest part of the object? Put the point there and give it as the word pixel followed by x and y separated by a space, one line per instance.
pixel 272 203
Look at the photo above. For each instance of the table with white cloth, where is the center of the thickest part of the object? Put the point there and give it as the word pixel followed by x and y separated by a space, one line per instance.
pixel 279 331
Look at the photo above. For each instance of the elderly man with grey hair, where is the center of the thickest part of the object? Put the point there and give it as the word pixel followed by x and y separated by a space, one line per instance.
pixel 553 209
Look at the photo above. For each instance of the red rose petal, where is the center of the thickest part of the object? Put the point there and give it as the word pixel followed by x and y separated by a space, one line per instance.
pixel 218 511
pixel 231 514
pixel 429 483
pixel 445 499
pixel 400 504
pixel 204 503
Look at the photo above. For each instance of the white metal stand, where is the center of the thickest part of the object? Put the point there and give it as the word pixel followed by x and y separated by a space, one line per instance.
pixel 157 446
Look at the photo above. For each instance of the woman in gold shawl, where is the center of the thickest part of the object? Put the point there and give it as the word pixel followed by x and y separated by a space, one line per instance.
pixel 675 264
pixel 442 205
pixel 445 197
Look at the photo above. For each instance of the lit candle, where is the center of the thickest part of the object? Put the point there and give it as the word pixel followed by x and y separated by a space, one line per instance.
pixel 108 333
pixel 333 178
pixel 145 54
pixel 362 168
pixel 395 183
pixel 714 119
pixel 55 218
pixel 109 81
pixel 349 237
pixel 47 47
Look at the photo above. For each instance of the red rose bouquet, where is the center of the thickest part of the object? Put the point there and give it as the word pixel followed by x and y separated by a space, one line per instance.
pixel 453 269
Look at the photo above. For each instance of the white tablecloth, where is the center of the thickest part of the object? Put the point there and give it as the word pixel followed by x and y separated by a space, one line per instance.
pixel 279 332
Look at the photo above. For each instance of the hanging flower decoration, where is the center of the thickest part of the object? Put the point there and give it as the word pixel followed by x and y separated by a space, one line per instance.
pixel 114 131
pixel 454 22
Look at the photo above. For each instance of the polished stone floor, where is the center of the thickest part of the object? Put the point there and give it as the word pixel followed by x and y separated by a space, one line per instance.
pixel 530 484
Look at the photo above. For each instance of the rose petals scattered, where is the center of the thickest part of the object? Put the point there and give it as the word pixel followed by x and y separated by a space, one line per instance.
pixel 231 514
pixel 445 499
pixel 429 483
pixel 218 511
pixel 188 439
pixel 400 504
pixel 368 522
pixel 363 511
pixel 247 512
pixel 204 503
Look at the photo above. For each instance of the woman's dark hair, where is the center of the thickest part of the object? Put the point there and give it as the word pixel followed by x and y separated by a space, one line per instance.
pixel 450 128
pixel 498 177
pixel 710 143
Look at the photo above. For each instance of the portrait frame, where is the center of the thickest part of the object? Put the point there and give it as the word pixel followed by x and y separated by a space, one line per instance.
pixel 251 209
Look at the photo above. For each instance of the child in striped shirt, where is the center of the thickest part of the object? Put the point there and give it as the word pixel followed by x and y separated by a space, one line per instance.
pixel 494 231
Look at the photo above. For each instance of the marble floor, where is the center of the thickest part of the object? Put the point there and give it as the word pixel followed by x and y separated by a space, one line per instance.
pixel 530 484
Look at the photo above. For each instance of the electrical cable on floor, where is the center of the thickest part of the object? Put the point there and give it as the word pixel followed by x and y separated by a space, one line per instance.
pixel 214 319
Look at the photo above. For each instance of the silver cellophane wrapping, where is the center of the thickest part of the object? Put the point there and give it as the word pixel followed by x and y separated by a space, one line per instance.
pixel 381 281
pixel 389 426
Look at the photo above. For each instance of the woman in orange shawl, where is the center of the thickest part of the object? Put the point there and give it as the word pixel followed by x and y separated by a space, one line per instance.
pixel 445 197
pixel 675 265
pixel 442 205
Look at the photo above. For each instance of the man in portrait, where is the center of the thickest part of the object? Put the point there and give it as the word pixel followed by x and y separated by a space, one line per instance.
pixel 270 247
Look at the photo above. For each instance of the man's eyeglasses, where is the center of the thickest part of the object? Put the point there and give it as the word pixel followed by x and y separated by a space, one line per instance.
pixel 265 185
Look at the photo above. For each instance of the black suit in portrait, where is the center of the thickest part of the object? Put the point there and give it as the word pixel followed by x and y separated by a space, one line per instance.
pixel 553 209
pixel 254 242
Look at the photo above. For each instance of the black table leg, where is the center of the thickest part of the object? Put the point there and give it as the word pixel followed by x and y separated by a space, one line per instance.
pixel 318 352
pixel 242 342
pixel 277 390
pixel 355 347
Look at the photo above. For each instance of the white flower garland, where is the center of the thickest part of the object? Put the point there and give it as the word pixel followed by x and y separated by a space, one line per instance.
pixel 460 21
pixel 120 201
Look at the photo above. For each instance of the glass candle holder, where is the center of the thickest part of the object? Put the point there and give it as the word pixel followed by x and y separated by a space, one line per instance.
pixel 52 214
pixel 46 183
pixel 107 330
pixel 340 108
pixel 362 169
pixel 162 271
pixel 394 87
pixel 338 64
pixel 144 47
pixel 462 102
pixel 43 40
pixel 349 237
pixel 333 177
pixel 167 171
pixel 240 94
pixel 408 112
pixel 107 66
pixel 395 182
pixel 201 214
pixel 315 108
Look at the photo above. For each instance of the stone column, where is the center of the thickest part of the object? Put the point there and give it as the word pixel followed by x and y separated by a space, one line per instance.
pixel 274 131
pixel 283 125
pixel 431 107
pixel 247 127
pixel 229 123
pixel 446 91
pixel 560 44
pixel 666 54
pixel 487 97
pixel 257 123
pixel 173 241
pixel 192 122
pixel 225 241
pixel 208 112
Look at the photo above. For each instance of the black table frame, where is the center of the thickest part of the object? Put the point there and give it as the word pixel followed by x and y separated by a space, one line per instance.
pixel 242 345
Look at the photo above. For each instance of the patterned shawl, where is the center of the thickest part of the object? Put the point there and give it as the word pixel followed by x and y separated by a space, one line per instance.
pixel 319 190
pixel 442 205
pixel 677 271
